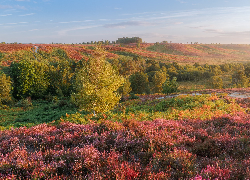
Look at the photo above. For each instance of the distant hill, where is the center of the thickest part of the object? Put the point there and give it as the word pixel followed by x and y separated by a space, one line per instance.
pixel 165 52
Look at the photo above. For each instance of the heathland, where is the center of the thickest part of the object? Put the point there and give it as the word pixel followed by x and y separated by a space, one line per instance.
pixel 124 111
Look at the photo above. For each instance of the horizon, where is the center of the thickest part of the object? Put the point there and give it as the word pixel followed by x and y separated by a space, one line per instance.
pixel 178 21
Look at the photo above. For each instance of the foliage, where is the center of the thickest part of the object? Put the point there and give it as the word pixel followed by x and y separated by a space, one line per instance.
pixel 239 79
pixel 96 85
pixel 170 86
pixel 125 89
pixel 5 88
pixel 139 83
pixel 129 40
pixel 216 82
pixel 30 78
pixel 61 73
pixel 158 80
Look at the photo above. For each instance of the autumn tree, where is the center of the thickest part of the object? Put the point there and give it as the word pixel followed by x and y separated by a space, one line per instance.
pixel 216 82
pixel 158 79
pixel 96 84
pixel 125 89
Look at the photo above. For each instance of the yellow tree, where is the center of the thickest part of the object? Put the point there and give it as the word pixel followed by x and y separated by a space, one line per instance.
pixel 96 84
pixel 158 79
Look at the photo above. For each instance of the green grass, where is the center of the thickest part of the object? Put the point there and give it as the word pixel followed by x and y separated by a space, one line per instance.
pixel 39 112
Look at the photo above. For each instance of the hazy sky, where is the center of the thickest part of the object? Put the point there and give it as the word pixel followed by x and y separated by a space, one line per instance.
pixel 76 21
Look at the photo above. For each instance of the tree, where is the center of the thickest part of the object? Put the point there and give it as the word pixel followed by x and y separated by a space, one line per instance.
pixel 30 78
pixel 216 82
pixel 60 75
pixel 126 88
pixel 126 40
pixel 170 86
pixel 96 84
pixel 139 83
pixel 239 79
pixel 158 79
pixel 5 88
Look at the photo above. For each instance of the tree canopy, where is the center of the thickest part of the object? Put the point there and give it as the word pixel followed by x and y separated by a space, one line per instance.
pixel 97 84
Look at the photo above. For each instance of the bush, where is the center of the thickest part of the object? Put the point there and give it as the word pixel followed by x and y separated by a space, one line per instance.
pixel 25 103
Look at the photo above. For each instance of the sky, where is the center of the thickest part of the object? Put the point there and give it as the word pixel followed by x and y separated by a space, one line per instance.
pixel 77 21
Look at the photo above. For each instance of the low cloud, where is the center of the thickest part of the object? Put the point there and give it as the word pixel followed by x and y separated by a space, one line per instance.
pixel 65 31
pixel 30 14
pixel 213 31
pixel 245 34
pixel 127 23
pixel 5 15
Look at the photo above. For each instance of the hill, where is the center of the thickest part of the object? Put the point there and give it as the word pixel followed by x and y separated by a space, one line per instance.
pixel 165 52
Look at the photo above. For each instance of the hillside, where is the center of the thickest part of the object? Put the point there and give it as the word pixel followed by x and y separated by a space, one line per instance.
pixel 165 52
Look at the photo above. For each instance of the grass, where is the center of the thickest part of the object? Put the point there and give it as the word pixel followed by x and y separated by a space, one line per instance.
pixel 39 112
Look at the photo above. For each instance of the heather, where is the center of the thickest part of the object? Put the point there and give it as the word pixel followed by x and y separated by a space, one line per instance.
pixel 139 145
pixel 160 149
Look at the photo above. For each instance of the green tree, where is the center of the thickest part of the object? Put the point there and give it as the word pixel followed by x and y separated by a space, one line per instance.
pixel 170 86
pixel 139 83
pixel 60 76
pixel 239 79
pixel 96 84
pixel 5 88
pixel 30 78
pixel 216 82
